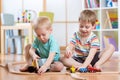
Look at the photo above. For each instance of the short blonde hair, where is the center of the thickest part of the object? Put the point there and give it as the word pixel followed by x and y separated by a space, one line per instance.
pixel 88 16
pixel 42 20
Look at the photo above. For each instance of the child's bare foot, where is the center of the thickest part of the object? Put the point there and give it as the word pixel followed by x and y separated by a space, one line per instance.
pixel 24 68
pixel 97 67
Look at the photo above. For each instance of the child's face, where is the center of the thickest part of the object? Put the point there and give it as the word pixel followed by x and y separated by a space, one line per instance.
pixel 85 28
pixel 43 34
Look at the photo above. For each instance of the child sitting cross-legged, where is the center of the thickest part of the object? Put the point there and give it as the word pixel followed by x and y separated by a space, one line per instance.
pixel 43 47
pixel 84 47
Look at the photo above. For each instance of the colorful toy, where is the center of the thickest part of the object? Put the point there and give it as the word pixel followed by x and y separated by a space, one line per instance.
pixel 83 70
pixel 109 3
pixel 23 16
pixel 97 24
pixel 34 67
pixel 26 16
pixel 29 17
pixel 89 69
pixel 92 69
pixel 72 69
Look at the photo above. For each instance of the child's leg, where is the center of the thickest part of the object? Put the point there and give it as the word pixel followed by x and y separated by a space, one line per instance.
pixel 27 55
pixel 69 62
pixel 105 55
pixel 27 58
pixel 56 66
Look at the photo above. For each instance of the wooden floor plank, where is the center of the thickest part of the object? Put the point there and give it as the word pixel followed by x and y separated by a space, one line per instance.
pixel 110 71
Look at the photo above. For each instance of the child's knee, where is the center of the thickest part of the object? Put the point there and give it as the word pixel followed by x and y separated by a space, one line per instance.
pixel 57 66
pixel 26 51
pixel 61 58
pixel 27 47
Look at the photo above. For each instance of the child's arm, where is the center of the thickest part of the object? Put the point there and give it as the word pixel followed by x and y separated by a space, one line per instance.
pixel 33 48
pixel 47 63
pixel 90 57
pixel 69 50
pixel 95 46
pixel 71 46
pixel 33 54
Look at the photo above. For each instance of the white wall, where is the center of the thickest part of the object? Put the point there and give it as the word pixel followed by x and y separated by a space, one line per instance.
pixel 12 6
pixel 62 12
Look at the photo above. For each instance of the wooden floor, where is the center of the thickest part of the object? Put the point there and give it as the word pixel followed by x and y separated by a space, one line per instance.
pixel 111 66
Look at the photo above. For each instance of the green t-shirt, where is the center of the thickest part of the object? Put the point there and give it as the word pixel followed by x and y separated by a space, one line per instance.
pixel 44 49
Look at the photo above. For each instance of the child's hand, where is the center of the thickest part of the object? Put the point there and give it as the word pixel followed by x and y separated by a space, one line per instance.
pixel 42 70
pixel 68 53
pixel 35 57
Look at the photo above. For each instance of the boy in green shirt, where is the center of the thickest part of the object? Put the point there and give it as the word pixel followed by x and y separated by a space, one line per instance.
pixel 43 47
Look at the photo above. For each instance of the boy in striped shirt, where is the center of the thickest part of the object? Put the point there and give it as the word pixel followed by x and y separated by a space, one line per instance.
pixel 84 48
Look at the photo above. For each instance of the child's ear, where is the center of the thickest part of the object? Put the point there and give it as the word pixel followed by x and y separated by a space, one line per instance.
pixel 51 29
pixel 93 27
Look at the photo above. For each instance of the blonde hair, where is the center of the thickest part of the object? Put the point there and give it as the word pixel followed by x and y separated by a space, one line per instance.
pixel 88 16
pixel 42 20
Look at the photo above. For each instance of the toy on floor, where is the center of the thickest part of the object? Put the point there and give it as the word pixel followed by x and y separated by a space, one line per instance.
pixel 34 67
pixel 92 69
pixel 83 70
pixel 89 69
pixel 72 69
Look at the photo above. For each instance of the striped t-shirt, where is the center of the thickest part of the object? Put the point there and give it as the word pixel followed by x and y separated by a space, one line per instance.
pixel 82 49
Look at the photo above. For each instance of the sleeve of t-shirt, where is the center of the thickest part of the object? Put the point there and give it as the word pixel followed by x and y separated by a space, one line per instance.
pixel 95 42
pixel 54 47
pixel 73 39
pixel 35 43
